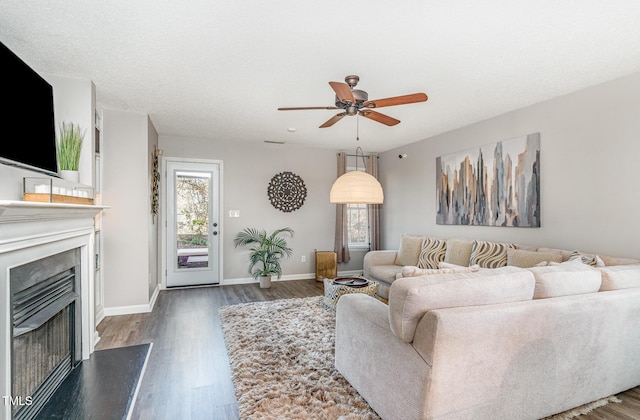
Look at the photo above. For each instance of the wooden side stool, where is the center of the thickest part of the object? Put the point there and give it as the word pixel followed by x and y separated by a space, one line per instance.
pixel 326 265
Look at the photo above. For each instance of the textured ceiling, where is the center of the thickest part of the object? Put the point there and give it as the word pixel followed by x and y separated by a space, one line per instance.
pixel 220 69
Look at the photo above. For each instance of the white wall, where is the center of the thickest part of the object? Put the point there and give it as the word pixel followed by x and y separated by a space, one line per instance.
pixel 126 190
pixel 74 101
pixel 248 168
pixel 590 151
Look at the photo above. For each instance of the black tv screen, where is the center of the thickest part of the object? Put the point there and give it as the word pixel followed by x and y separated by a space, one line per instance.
pixel 28 128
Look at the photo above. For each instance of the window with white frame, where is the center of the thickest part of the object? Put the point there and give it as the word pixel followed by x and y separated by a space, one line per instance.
pixel 358 225
pixel 358 221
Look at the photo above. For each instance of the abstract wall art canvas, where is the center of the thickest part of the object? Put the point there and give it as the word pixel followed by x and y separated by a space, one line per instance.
pixel 493 185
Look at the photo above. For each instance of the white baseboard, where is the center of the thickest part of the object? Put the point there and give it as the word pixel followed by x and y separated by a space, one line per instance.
pixel 99 317
pixel 251 280
pixel 133 309
pixel 286 277
pixel 154 297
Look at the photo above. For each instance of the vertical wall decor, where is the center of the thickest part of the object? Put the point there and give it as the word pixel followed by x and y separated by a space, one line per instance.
pixel 155 181
pixel 494 185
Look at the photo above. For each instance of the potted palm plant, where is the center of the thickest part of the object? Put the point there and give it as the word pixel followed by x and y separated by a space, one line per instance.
pixel 265 252
pixel 69 146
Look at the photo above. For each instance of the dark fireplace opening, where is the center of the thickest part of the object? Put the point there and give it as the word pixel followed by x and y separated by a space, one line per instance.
pixel 46 316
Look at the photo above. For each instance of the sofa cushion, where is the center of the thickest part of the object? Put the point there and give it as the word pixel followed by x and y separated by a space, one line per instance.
pixel 458 251
pixel 410 271
pixel 409 251
pixel 385 273
pixel 410 298
pixel 620 277
pixel 432 252
pixel 525 259
pixel 568 278
pixel 489 254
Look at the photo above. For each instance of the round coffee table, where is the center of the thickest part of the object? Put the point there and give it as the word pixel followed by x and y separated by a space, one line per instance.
pixel 332 292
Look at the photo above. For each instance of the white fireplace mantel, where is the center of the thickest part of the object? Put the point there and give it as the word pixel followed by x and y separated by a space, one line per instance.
pixel 21 211
pixel 30 231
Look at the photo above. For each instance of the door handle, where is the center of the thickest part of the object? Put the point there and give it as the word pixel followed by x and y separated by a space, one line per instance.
pixel 215 232
pixel 215 224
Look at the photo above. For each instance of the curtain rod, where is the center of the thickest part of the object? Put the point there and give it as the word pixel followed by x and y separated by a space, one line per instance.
pixel 366 156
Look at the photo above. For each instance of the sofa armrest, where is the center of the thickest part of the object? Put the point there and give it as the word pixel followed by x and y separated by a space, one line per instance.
pixel 371 258
pixel 387 372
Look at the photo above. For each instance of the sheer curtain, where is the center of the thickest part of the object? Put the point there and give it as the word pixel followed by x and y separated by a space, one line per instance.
pixel 371 167
pixel 342 234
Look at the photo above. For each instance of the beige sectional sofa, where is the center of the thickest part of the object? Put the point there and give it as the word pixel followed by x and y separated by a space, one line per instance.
pixel 424 252
pixel 505 343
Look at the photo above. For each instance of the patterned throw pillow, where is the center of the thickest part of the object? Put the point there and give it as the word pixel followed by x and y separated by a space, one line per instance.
pixel 433 251
pixel 592 260
pixel 489 254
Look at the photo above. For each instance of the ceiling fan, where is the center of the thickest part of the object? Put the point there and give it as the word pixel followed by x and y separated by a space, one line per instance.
pixel 356 102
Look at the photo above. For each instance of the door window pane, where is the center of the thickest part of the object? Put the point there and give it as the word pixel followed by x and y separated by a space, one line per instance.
pixel 192 219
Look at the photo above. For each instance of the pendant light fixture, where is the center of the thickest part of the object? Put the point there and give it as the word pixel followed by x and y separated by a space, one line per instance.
pixel 356 187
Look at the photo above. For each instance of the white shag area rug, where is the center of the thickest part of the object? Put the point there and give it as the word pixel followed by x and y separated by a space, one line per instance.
pixel 282 353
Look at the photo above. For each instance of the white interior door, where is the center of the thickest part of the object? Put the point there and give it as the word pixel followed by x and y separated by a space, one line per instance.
pixel 193 226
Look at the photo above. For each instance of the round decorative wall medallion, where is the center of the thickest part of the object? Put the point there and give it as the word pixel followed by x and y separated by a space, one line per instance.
pixel 287 191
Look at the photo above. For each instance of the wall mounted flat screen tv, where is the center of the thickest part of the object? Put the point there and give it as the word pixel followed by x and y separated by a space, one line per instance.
pixel 28 135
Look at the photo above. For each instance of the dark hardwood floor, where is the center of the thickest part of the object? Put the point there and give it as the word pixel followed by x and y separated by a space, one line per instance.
pixel 188 374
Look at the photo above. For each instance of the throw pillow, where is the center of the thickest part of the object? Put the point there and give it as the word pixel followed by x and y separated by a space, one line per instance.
pixel 565 279
pixel 592 260
pixel 409 250
pixel 410 271
pixel 489 254
pixel 458 252
pixel 433 251
pixel 525 259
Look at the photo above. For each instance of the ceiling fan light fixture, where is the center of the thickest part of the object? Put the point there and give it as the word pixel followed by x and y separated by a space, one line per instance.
pixel 355 101
pixel 356 187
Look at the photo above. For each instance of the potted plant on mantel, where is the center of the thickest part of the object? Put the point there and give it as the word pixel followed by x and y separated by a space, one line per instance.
pixel 266 252
pixel 69 146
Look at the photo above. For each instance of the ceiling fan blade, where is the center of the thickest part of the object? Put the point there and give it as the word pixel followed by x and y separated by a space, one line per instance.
pixel 396 100
pixel 306 107
pixel 381 118
pixel 333 120
pixel 343 92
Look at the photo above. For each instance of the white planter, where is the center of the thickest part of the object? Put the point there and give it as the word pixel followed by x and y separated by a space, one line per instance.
pixel 265 282
pixel 69 175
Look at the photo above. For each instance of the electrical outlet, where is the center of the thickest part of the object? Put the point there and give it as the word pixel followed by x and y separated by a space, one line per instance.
pixel 303 258
pixel 234 213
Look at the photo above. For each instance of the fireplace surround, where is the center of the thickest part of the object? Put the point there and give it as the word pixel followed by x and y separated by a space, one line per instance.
pixel 30 232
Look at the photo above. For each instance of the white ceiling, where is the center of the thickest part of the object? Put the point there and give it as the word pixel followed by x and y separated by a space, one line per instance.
pixel 220 69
